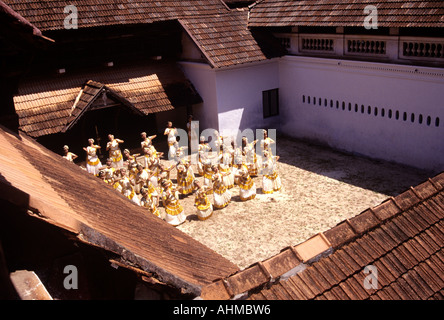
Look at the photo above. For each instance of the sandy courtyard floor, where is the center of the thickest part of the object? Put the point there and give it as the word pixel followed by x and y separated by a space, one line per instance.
pixel 321 187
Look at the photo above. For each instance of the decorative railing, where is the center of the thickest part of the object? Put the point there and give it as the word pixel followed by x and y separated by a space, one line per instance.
pixel 317 44
pixel 361 46
pixel 386 48
pixel 422 48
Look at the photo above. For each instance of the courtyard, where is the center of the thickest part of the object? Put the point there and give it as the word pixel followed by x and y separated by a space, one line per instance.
pixel 321 187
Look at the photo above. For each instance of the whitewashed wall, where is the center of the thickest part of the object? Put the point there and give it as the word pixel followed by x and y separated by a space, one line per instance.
pixel 233 96
pixel 203 77
pixel 239 96
pixel 406 89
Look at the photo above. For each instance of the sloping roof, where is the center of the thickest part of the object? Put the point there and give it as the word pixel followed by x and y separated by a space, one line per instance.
pixel 45 106
pixel 86 98
pixel 391 13
pixel 403 238
pixel 49 14
pixel 15 20
pixel 61 193
pixel 225 39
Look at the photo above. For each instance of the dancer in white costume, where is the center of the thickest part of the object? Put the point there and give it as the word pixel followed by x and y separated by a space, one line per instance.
pixel 148 202
pixel 171 133
pixel 175 214
pixel 203 150
pixel 115 153
pixel 266 143
pixel 247 186
pixel 93 163
pixel 147 141
pixel 251 157
pixel 127 188
pixel 221 194
pixel 68 155
pixel 203 205
pixel 109 172
pixel 271 182
pixel 226 170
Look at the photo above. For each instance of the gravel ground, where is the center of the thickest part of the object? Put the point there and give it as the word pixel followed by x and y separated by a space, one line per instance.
pixel 321 187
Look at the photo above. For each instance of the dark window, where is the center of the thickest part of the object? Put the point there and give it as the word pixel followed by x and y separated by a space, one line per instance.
pixel 270 102
pixel 437 122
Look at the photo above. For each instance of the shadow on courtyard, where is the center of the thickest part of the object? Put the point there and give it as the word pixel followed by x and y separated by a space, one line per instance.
pixel 376 175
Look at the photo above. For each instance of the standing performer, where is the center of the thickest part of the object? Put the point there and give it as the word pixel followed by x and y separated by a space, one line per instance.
pixel 251 157
pixel 271 181
pixel 171 133
pixel 93 163
pixel 221 194
pixel 237 162
pixel 127 188
pixel 141 178
pixel 146 141
pixel 114 151
pixel 109 171
pixel 218 143
pixel 130 157
pixel 68 155
pixel 185 178
pixel 207 173
pixel 202 153
pixel 266 143
pixel 147 201
pixel 175 215
pixel 203 204
pixel 226 171
pixel 247 186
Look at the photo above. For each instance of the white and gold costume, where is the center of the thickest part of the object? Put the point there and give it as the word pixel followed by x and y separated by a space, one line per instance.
pixel 128 191
pixel 247 186
pixel 203 205
pixel 93 163
pixel 147 202
pixel 221 194
pixel 115 154
pixel 171 133
pixel 185 178
pixel 271 182
pixel 175 213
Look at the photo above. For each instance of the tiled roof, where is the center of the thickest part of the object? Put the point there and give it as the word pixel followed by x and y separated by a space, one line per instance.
pixel 220 33
pixel 7 14
pixel 391 13
pixel 45 106
pixel 224 39
pixel 60 193
pixel 403 238
pixel 49 14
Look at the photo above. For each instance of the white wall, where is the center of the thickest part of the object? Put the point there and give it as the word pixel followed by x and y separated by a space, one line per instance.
pixel 410 89
pixel 239 96
pixel 203 77
pixel 233 96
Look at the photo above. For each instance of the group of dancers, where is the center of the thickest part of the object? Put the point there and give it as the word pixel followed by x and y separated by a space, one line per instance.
pixel 144 178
